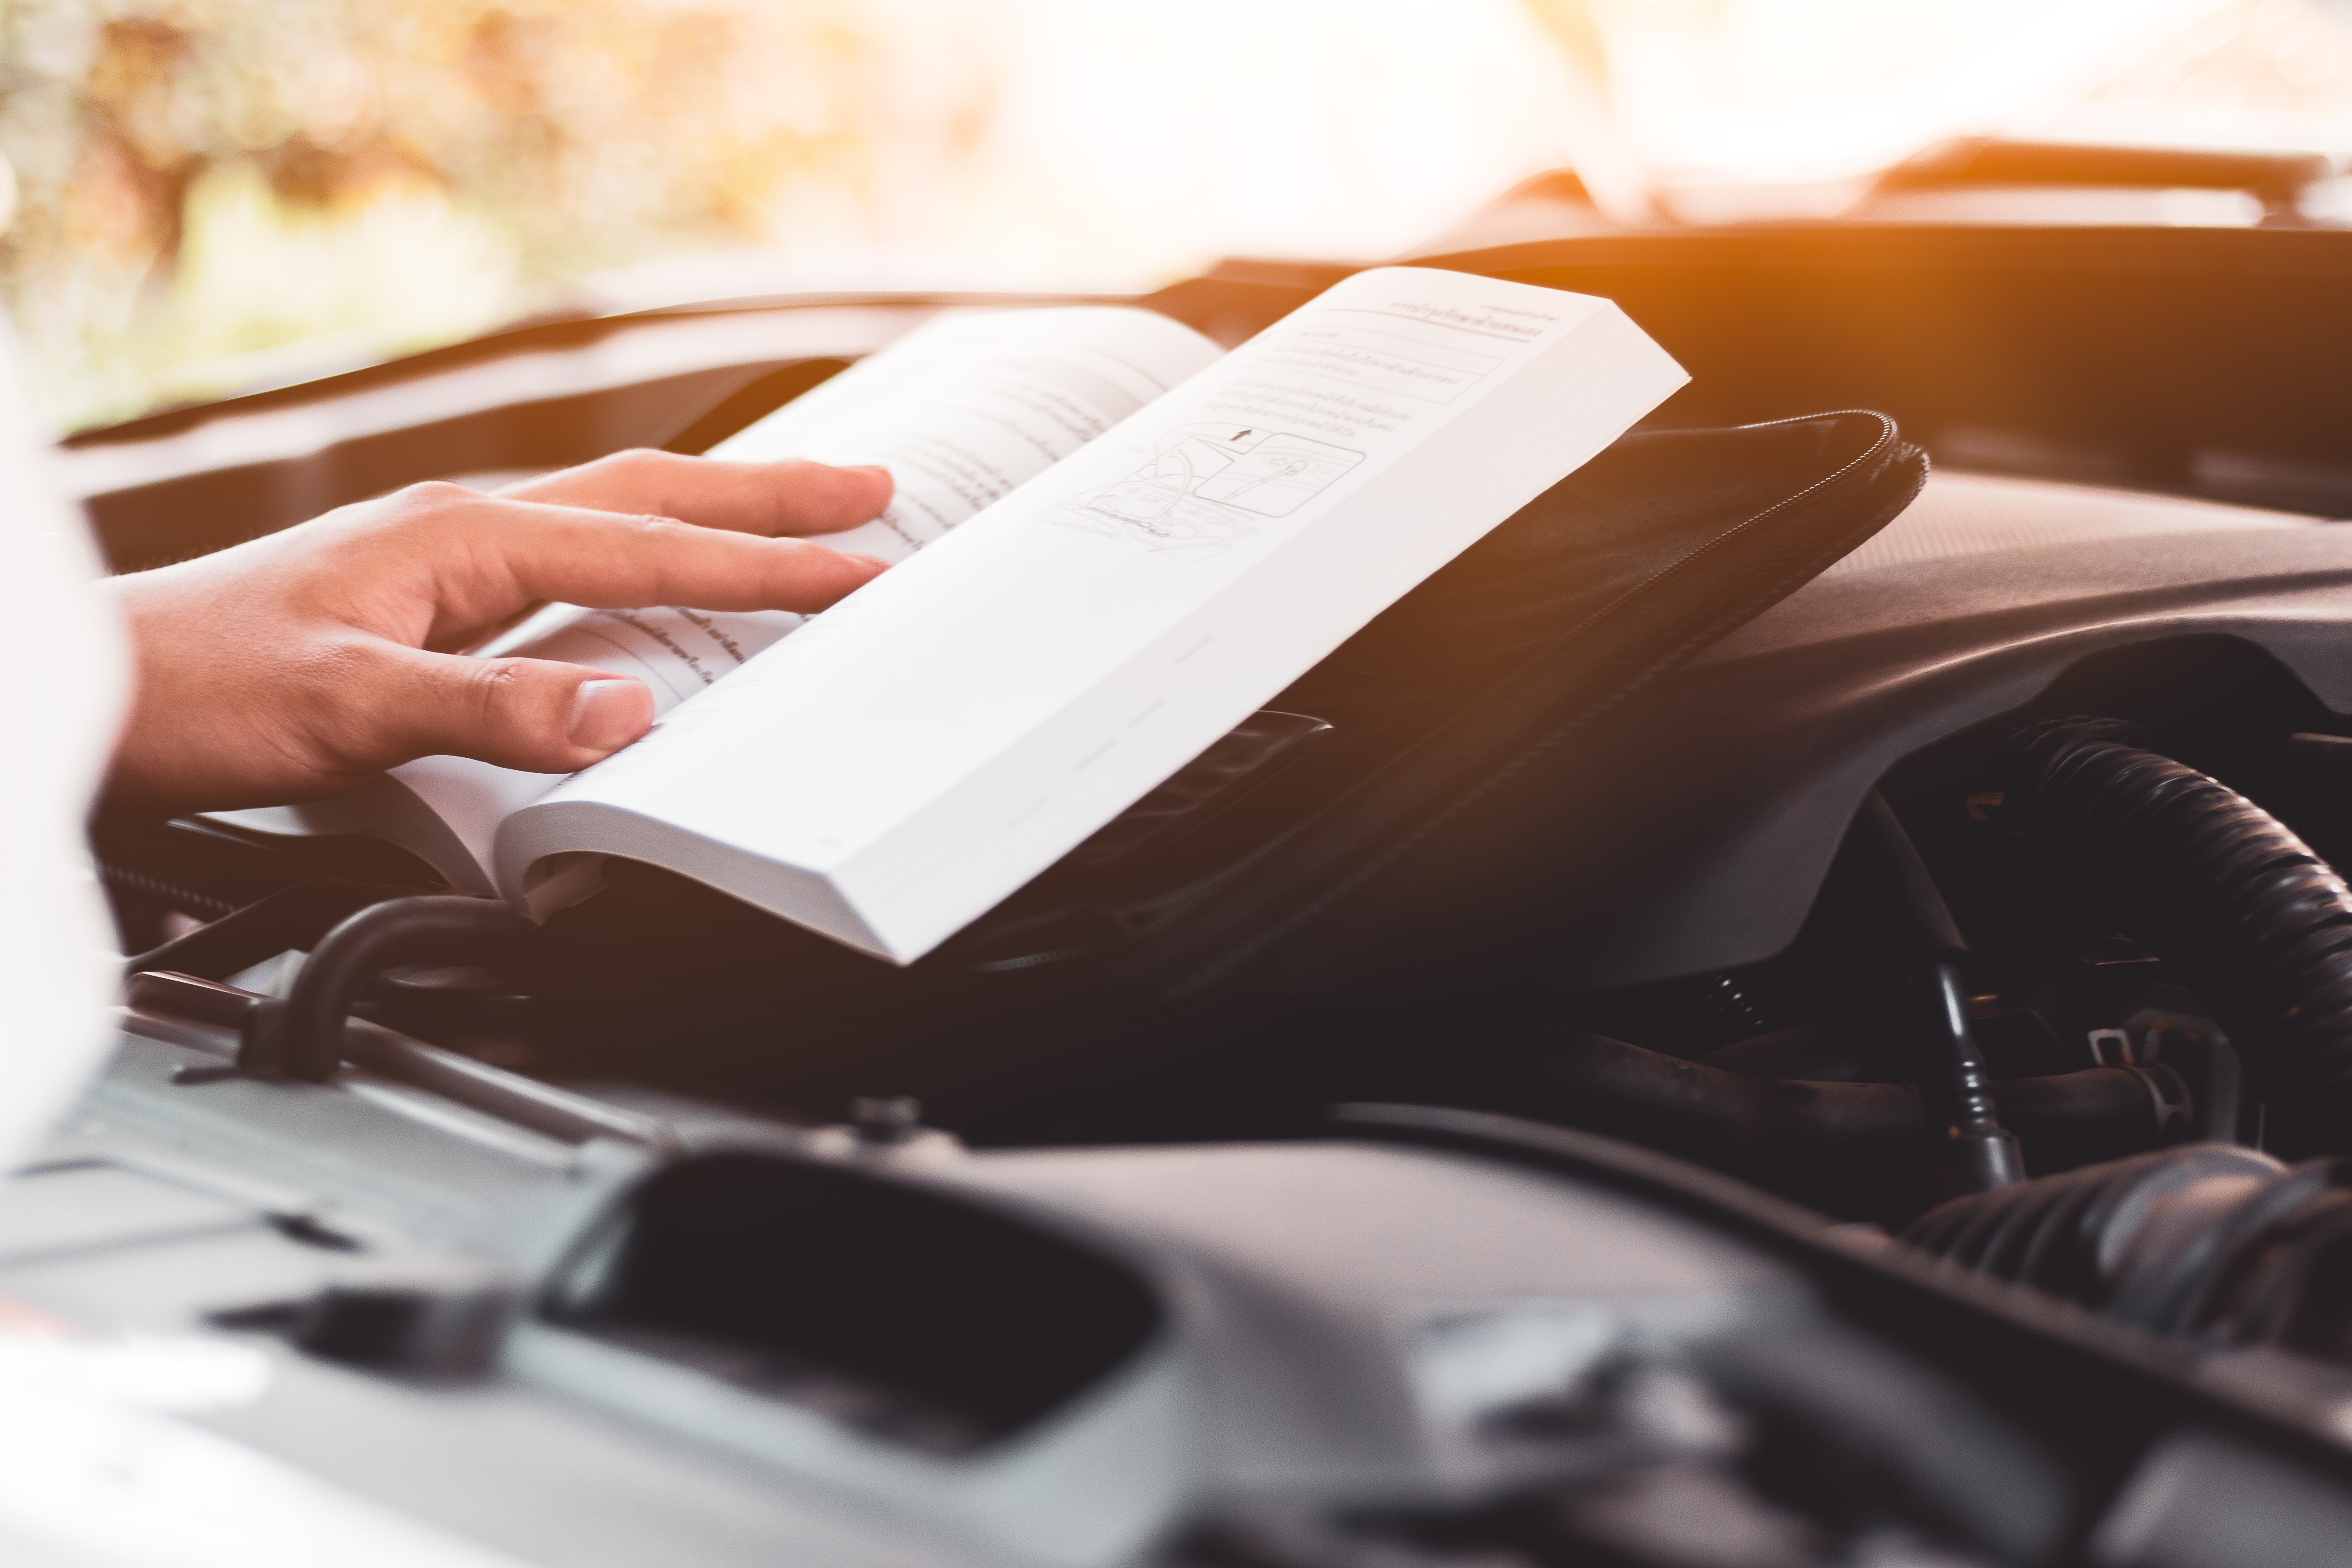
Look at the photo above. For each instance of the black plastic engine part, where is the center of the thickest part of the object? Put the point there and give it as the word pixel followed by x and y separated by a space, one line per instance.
pixel 914 1314
pixel 437 1318
pixel 2211 1241
pixel 1769 1450
pixel 2260 924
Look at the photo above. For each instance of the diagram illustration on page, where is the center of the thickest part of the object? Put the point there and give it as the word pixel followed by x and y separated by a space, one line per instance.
pixel 1204 482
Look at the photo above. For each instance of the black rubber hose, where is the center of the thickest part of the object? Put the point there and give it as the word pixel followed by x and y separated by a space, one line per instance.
pixel 1609 1086
pixel 2267 924
pixel 2132 1237
pixel 304 1038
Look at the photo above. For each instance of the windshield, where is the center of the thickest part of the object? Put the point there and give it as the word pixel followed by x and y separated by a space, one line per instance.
pixel 245 192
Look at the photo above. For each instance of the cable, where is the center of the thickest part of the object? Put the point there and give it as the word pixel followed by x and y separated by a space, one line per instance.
pixel 1968 1149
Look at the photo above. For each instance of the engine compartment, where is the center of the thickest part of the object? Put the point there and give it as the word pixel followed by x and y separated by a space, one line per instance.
pixel 1019 1302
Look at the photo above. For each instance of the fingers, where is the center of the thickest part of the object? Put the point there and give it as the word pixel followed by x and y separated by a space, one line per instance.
pixel 607 561
pixel 528 714
pixel 437 566
pixel 793 497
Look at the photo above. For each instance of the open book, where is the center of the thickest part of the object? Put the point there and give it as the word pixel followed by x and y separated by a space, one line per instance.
pixel 1115 543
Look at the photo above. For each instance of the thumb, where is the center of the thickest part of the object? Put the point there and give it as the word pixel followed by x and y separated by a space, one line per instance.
pixel 530 713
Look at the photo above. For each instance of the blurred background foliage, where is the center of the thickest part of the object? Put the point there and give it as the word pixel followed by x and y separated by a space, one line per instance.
pixel 200 184
pixel 216 195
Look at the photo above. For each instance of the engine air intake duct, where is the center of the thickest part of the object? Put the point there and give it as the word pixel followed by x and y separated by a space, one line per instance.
pixel 2208 1240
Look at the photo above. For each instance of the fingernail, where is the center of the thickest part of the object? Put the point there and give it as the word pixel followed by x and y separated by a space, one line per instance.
pixel 870 560
pixel 608 714
pixel 869 468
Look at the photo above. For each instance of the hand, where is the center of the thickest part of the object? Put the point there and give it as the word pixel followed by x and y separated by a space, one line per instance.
pixel 296 664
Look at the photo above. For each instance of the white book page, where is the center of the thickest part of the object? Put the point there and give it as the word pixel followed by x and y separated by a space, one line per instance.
pixel 1014 685
pixel 962 410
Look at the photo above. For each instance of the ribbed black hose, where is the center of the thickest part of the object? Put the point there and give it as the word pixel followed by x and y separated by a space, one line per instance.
pixel 2210 1241
pixel 2278 919
pixel 2136 1238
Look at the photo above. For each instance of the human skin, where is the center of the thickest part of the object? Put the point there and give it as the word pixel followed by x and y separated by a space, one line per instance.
pixel 297 664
